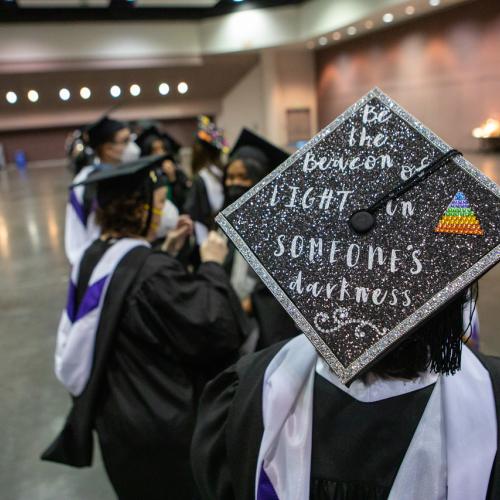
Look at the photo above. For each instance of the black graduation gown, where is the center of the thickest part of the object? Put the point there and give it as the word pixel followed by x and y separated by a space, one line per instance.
pixel 197 204
pixel 273 322
pixel 357 447
pixel 163 333
pixel 275 325
pixel 229 430
pixel 180 188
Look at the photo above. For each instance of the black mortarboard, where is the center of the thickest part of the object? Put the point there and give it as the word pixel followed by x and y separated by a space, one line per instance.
pixel 368 231
pixel 251 145
pixel 152 133
pixel 103 131
pixel 144 175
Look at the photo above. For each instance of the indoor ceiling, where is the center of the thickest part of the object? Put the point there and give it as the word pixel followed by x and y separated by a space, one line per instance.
pixel 127 10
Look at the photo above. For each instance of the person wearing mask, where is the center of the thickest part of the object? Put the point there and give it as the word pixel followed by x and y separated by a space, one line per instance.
pixel 250 160
pixel 139 339
pixel 112 144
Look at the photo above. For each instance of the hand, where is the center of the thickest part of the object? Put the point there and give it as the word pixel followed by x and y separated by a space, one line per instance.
pixel 214 248
pixel 168 168
pixel 176 238
pixel 246 305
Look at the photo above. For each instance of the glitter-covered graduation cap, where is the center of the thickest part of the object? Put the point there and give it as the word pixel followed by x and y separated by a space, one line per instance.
pixel 367 231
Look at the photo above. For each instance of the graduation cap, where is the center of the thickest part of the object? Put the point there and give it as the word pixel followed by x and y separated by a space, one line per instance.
pixel 368 231
pixel 152 133
pixel 209 134
pixel 251 145
pixel 104 129
pixel 143 175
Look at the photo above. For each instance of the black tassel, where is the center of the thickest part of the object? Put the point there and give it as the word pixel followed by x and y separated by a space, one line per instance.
pixel 437 344
pixel 445 334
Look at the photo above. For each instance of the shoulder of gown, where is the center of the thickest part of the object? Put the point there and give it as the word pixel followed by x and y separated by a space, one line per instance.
pixel 198 313
pixel 229 429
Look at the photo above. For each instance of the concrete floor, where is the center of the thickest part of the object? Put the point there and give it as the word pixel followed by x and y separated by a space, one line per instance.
pixel 33 287
pixel 33 282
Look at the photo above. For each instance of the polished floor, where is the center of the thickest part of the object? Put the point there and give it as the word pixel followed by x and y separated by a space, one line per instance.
pixel 33 274
pixel 33 280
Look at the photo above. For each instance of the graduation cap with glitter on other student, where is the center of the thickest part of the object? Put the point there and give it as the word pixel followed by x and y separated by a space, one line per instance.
pixel 368 231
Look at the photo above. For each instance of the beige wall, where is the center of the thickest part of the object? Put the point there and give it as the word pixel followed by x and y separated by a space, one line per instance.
pixel 444 69
pixel 242 106
pixel 283 79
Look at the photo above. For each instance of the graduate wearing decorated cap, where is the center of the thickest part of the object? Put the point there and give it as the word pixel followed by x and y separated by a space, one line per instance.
pixel 206 196
pixel 139 338
pixel 372 237
pixel 252 158
pixel 112 144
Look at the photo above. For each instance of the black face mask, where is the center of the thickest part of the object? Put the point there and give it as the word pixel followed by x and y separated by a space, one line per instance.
pixel 232 193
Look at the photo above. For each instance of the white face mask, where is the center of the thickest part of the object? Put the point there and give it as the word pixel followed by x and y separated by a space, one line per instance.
pixel 131 152
pixel 169 219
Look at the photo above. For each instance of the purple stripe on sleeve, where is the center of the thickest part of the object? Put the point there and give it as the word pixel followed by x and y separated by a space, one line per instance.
pixel 77 207
pixel 70 303
pixel 91 298
pixel 265 489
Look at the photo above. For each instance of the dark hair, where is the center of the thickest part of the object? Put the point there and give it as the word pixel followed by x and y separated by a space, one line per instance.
pixel 147 146
pixel 204 155
pixel 124 215
pixel 437 345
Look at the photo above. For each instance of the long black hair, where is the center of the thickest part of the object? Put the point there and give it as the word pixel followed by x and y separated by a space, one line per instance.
pixel 436 344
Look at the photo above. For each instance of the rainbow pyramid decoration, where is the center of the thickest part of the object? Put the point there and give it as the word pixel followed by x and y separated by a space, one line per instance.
pixel 459 218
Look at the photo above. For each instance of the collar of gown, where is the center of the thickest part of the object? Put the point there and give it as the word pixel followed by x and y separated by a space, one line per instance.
pixel 376 388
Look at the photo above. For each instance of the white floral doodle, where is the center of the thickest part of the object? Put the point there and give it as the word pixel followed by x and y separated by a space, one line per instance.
pixel 340 318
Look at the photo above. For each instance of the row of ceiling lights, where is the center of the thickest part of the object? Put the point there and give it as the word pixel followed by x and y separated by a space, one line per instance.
pixel 387 18
pixel 85 93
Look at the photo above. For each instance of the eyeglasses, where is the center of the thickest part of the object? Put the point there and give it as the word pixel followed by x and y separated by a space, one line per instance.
pixel 123 141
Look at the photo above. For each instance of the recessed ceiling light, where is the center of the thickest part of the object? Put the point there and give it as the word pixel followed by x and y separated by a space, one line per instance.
pixel 11 97
pixel 323 40
pixel 182 87
pixel 351 30
pixel 64 94
pixel 85 93
pixel 434 3
pixel 163 88
pixel 33 95
pixel 369 24
pixel 135 90
pixel 337 35
pixel 115 91
pixel 388 17
pixel 410 10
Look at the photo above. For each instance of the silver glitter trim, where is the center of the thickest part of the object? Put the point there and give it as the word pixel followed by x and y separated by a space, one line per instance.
pixel 347 374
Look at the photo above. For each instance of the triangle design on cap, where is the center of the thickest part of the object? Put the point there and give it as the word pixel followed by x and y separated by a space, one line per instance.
pixel 459 218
